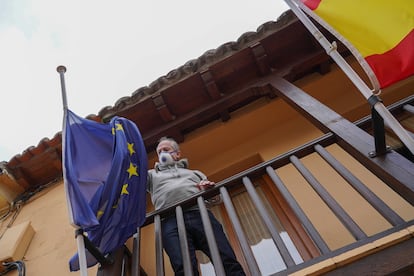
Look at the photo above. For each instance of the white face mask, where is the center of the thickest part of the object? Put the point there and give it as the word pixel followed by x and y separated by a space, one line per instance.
pixel 165 158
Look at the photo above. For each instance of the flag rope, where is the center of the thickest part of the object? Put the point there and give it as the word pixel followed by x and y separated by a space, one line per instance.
pixel 361 60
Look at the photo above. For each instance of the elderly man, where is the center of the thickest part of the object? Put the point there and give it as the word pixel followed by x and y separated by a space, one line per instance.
pixel 171 181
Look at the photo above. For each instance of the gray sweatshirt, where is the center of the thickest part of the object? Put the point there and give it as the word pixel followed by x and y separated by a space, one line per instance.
pixel 171 183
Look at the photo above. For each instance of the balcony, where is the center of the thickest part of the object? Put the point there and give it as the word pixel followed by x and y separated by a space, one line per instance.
pixel 283 218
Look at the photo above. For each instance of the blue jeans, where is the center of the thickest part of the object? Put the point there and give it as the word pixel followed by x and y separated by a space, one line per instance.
pixel 197 241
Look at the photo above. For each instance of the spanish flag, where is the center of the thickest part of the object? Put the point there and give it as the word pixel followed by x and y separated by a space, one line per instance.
pixel 382 31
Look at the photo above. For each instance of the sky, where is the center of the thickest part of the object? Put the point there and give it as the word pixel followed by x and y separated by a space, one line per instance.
pixel 109 48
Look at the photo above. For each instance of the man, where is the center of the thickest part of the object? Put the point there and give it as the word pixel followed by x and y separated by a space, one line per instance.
pixel 171 181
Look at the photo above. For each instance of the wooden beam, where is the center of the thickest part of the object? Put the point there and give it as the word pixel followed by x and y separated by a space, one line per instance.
pixel 261 58
pixel 210 84
pixel 203 115
pixel 162 108
pixel 396 260
pixel 392 168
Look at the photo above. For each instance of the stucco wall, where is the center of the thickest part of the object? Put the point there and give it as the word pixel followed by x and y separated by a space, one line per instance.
pixel 53 243
pixel 266 128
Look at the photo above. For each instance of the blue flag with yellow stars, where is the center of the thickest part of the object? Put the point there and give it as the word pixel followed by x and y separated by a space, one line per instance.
pixel 105 174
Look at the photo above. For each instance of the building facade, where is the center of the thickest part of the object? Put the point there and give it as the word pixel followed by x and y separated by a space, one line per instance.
pixel 305 186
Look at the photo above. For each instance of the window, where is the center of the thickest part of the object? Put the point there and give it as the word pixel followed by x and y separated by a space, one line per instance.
pixel 298 243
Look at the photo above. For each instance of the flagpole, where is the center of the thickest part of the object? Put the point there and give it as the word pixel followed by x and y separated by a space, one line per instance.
pixel 79 237
pixel 81 253
pixel 61 70
pixel 331 50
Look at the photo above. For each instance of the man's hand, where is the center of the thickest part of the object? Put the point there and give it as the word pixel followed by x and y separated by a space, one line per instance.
pixel 205 184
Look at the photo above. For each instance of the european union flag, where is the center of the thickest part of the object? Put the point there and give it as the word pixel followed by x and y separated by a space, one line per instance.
pixel 105 174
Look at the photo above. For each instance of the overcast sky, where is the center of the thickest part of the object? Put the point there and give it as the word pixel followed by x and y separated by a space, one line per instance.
pixel 109 48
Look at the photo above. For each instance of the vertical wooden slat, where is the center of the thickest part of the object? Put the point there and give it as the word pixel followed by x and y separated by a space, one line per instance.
pixel 159 256
pixel 211 239
pixel 135 271
pixel 346 220
pixel 317 239
pixel 188 270
pixel 366 193
pixel 124 270
pixel 409 108
pixel 247 251
pixel 284 252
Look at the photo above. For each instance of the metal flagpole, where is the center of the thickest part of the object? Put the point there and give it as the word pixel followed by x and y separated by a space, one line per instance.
pixel 79 237
pixel 331 50
pixel 61 70
pixel 81 254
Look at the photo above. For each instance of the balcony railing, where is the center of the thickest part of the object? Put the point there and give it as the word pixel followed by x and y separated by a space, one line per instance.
pixel 269 168
pixel 346 135
pixel 393 169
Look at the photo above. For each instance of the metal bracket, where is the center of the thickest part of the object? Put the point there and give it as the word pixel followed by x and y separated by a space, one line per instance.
pixel 93 249
pixel 379 130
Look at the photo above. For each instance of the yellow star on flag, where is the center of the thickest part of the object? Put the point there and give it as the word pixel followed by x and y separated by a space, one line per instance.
pixel 117 127
pixel 99 214
pixel 132 170
pixel 131 148
pixel 125 189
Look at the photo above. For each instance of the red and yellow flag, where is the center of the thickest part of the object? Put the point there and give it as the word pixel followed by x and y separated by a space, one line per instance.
pixel 381 30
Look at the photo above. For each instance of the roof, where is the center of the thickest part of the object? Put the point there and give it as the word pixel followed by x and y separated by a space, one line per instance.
pixel 202 90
